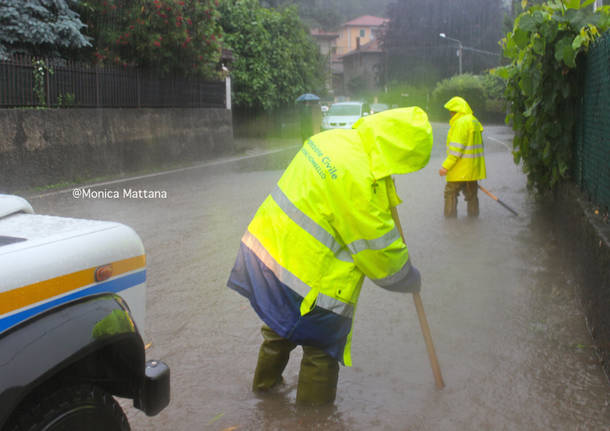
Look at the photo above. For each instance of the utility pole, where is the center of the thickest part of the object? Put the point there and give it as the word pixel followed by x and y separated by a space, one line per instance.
pixel 460 49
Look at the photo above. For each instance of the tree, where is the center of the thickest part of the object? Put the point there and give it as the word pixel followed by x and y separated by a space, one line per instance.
pixel 174 36
pixel 418 55
pixel 39 27
pixel 330 14
pixel 275 58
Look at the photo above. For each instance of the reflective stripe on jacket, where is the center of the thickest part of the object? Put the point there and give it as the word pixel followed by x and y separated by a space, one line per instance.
pixel 328 224
pixel 465 157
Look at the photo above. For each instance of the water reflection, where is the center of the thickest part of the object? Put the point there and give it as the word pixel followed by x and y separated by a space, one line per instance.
pixel 560 362
pixel 278 412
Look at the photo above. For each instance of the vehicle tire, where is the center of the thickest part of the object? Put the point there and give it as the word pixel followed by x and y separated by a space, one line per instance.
pixel 74 408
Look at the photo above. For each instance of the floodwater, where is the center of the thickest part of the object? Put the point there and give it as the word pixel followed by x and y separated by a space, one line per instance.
pixel 501 301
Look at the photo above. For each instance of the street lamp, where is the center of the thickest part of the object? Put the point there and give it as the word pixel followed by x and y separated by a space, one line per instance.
pixel 461 47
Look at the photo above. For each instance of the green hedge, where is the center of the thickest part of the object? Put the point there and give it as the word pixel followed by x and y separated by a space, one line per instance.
pixel 402 95
pixel 482 92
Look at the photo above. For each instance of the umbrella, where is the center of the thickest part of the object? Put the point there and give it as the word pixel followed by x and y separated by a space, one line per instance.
pixel 307 96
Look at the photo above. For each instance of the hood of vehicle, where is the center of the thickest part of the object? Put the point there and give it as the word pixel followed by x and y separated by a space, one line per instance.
pixel 10 204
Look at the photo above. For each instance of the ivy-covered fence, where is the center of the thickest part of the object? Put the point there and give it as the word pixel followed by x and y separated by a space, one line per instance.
pixel 592 156
pixel 58 83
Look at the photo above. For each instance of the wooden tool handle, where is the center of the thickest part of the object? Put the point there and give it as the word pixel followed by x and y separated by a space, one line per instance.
pixel 488 193
pixel 423 322
pixel 425 329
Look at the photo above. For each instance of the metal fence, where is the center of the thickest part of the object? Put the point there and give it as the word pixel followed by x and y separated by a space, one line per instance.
pixel 71 84
pixel 592 161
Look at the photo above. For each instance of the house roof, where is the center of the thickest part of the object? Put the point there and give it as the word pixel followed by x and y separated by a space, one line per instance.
pixel 371 47
pixel 367 21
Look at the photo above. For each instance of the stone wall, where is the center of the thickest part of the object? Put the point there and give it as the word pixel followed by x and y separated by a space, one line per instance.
pixel 585 235
pixel 44 147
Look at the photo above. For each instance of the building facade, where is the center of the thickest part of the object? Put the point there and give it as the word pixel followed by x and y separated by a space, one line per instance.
pixel 354 56
pixel 365 28
pixel 364 68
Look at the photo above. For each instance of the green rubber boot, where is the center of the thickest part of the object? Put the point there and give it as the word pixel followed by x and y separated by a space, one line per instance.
pixel 451 193
pixel 272 359
pixel 317 378
pixel 470 193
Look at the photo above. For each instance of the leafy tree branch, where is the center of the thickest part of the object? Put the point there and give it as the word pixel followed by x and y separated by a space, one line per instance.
pixel 175 36
pixel 275 58
pixel 543 84
pixel 39 27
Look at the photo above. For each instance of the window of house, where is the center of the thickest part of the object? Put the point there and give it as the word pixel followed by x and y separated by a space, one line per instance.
pixel 362 32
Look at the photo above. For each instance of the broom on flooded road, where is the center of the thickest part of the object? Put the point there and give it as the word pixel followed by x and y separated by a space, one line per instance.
pixel 497 200
pixel 423 322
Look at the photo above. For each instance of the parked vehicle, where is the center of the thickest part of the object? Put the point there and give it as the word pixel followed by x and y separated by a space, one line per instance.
pixel 343 115
pixel 378 107
pixel 72 305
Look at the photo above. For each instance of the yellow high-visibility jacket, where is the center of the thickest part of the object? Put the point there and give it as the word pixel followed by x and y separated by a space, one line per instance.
pixel 328 224
pixel 465 158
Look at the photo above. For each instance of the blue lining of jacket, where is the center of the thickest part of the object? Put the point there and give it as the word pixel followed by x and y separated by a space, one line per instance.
pixel 279 307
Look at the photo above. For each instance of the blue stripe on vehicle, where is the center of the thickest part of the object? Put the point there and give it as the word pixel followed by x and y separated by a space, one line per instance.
pixel 111 286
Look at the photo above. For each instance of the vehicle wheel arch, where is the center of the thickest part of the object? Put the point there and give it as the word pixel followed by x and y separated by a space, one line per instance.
pixel 113 361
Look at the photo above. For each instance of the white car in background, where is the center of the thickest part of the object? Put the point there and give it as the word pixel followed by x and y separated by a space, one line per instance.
pixel 343 115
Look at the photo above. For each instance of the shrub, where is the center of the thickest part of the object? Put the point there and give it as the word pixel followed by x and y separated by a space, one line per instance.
pixel 175 36
pixel 484 94
pixel 406 95
pixel 494 86
pixel 468 86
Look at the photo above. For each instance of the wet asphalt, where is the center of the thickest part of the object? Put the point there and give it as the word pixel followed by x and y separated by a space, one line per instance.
pixel 501 301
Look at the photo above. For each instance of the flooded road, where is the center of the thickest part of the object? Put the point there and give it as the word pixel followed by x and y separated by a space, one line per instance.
pixel 501 301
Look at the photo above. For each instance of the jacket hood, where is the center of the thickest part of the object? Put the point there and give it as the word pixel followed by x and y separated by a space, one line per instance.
pixel 398 141
pixel 457 104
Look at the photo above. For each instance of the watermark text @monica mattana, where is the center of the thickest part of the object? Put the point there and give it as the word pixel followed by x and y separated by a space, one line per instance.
pixel 125 193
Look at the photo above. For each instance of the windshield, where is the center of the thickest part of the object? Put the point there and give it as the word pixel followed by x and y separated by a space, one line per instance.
pixel 344 110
